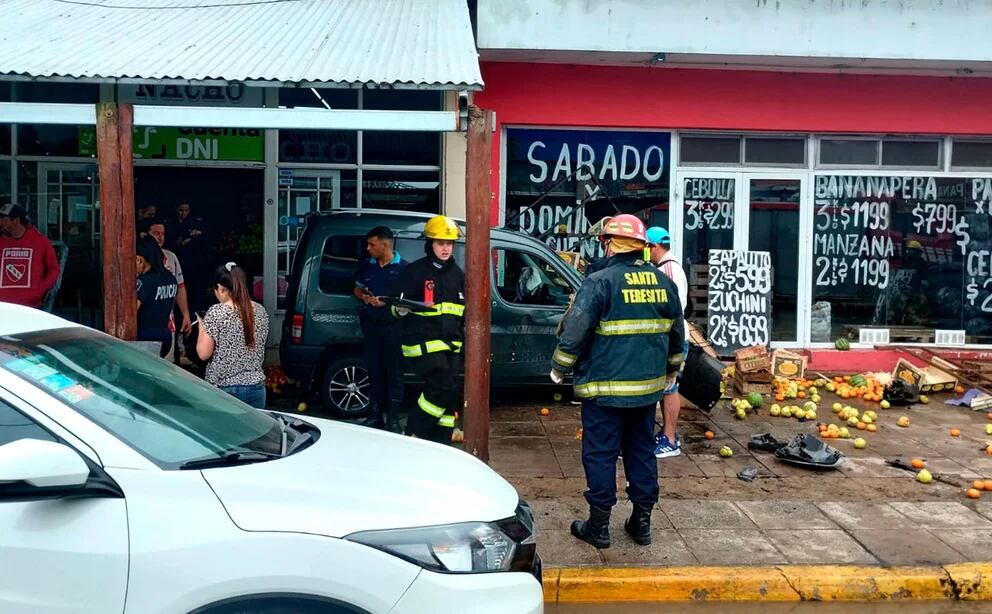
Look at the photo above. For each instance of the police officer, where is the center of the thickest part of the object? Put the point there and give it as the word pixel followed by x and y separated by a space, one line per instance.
pixel 379 276
pixel 432 338
pixel 623 342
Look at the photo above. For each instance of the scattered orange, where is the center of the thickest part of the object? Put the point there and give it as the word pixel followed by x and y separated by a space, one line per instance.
pixel 973 493
pixel 989 415
pixel 955 432
pixel 959 389
pixel 918 463
pixel 871 428
pixel 861 426
pixel 801 394
pixel 779 397
pixel 988 450
pixel 545 411
pixel 709 435
pixel 988 485
pixel 978 485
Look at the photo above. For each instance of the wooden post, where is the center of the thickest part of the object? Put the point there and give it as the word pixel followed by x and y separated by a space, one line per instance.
pixel 116 166
pixel 478 198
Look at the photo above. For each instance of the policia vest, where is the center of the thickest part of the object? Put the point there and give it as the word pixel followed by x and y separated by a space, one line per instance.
pixel 623 335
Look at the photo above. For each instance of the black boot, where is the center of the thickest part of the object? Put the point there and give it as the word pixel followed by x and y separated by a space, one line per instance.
pixel 639 524
pixel 596 530
pixel 375 417
pixel 393 419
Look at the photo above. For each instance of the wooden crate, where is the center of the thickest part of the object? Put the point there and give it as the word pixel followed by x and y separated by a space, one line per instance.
pixel 751 359
pixel 742 386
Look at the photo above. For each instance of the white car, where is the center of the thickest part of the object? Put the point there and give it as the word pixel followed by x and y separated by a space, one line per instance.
pixel 128 485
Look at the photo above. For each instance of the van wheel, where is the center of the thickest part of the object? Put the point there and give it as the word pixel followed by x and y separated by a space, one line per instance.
pixel 345 388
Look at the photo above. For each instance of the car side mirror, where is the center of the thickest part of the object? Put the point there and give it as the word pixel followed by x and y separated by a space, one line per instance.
pixel 39 464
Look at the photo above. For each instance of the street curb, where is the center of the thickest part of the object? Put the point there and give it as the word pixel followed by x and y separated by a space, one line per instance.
pixel 965 581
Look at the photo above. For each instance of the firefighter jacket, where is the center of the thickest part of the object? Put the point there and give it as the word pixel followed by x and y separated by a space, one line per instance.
pixel 623 334
pixel 441 284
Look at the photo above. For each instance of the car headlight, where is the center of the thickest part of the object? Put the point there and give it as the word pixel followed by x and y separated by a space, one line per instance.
pixel 468 547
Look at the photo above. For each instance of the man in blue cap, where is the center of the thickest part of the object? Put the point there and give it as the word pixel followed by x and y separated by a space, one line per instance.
pixel 660 243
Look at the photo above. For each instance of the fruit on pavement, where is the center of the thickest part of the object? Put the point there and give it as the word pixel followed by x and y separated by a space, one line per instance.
pixel 924 477
pixel 978 485
pixel 545 411
pixel 302 407
pixel 709 435
pixel 871 428
pixel 973 493
pixel 955 432
pixel 844 433
pixel 885 404
pixel 726 452
pixel 918 463
pixel 754 399
pixel 740 414
pixel 988 429
pixel 903 421
pixel 924 399
pixel 860 443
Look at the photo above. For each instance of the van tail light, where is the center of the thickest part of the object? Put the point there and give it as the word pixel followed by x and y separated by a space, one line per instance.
pixel 296 329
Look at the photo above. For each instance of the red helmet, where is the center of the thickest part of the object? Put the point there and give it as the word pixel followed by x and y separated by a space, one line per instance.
pixel 626 225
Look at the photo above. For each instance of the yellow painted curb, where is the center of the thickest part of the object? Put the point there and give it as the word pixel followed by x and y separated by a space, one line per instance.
pixel 972 581
pixel 850 583
pixel 673 584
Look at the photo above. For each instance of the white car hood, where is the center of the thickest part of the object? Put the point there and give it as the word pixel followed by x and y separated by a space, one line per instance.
pixel 359 479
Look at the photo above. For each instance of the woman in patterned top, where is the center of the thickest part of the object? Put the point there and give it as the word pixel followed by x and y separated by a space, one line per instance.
pixel 232 337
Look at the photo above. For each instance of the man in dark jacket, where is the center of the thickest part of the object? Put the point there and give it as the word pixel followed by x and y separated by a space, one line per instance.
pixel 622 339
pixel 432 338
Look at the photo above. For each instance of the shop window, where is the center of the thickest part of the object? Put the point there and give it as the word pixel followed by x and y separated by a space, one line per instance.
pixel 710 150
pixel 320 98
pixel 707 216
pixel 5 183
pixel 911 254
pixel 849 152
pixel 560 182
pixel 971 154
pixel 401 148
pixel 318 146
pixel 339 263
pixel 776 151
pixel 526 279
pixel 774 228
pixel 911 153
pixel 399 100
pixel 402 191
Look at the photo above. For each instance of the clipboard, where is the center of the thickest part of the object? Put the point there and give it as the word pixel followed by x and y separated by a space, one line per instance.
pixel 417 306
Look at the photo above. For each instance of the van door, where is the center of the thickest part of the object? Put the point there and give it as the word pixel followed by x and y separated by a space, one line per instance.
pixel 530 294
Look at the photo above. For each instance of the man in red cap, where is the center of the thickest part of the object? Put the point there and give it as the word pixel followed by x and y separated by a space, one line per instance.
pixel 28 266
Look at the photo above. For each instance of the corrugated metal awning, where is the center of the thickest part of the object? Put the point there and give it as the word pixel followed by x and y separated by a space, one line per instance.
pixel 383 43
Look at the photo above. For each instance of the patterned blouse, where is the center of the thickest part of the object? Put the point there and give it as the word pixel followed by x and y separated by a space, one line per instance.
pixel 233 363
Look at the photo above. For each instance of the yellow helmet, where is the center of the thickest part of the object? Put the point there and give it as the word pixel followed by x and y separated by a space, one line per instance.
pixel 441 227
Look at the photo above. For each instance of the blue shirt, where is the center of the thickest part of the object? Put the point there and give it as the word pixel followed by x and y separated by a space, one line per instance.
pixel 380 281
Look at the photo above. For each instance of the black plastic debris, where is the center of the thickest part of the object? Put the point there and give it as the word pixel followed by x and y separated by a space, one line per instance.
pixel 765 442
pixel 810 452
pixel 900 392
pixel 748 474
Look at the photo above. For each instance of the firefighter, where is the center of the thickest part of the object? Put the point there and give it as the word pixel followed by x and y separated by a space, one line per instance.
pixel 622 341
pixel 432 339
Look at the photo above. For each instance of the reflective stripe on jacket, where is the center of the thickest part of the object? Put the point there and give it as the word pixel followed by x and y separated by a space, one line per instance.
pixel 623 334
pixel 440 330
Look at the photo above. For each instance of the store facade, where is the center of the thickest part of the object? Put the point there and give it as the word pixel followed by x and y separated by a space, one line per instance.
pixel 248 189
pixel 872 192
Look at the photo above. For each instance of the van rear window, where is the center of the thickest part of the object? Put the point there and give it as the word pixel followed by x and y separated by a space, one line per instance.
pixel 338 263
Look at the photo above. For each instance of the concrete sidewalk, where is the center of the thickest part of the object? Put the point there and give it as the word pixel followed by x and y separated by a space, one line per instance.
pixel 866 513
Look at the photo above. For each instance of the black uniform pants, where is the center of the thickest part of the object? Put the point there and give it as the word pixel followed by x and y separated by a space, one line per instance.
pixel 382 358
pixel 434 416
pixel 608 431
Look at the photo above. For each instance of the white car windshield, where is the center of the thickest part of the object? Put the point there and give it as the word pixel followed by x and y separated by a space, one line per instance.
pixel 166 414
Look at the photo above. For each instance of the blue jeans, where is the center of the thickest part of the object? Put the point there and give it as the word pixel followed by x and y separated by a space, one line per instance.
pixel 252 395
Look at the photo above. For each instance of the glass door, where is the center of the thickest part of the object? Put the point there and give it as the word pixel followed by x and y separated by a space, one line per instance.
pixel 69 214
pixel 301 192
pixel 776 222
pixel 705 212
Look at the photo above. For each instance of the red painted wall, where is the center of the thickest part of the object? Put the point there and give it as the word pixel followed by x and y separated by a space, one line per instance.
pixel 642 97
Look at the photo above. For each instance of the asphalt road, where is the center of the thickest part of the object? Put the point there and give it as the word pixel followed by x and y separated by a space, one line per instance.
pixel 718 607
